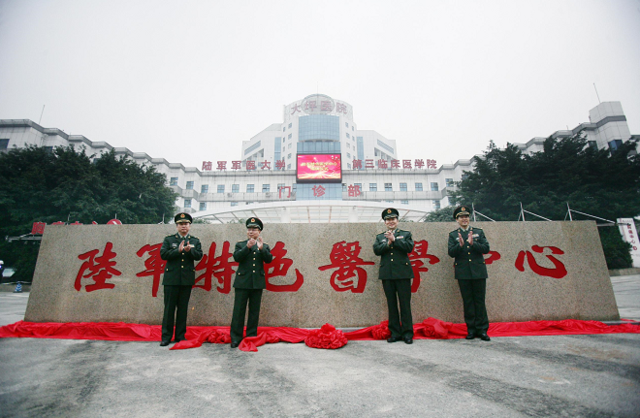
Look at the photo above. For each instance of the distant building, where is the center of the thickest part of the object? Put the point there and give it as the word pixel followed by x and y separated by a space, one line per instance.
pixel 314 166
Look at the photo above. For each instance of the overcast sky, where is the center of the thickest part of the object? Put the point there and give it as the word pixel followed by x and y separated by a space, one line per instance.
pixel 189 80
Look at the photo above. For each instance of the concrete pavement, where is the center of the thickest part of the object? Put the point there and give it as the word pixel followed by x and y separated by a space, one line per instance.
pixel 552 376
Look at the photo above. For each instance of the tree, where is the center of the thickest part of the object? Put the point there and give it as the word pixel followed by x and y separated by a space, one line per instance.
pixel 39 185
pixel 566 171
pixel 440 215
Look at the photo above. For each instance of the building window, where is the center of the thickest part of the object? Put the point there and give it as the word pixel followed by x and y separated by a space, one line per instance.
pixel 284 128
pixel 344 187
pixel 289 156
pixel 346 124
pixel 290 135
pixel 235 188
pixel 353 129
pixel 403 187
pixel 204 188
pixel 349 166
pixel 388 187
pixel 289 166
pixel 190 185
pixel 4 144
pixel 418 187
pixel 348 155
pixel 404 202
pixel 266 188
pixel 249 188
pixel 203 206
pixel 348 136
pixel 290 125
pixel 449 182
pixel 187 203
pixel 220 188
pixel 173 181
pixel 373 187
pixel 434 186
pixel 615 144
pixel 436 204
pixel 592 144
pixel 236 203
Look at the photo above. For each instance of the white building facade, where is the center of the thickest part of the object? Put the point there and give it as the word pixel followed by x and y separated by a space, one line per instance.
pixel 265 181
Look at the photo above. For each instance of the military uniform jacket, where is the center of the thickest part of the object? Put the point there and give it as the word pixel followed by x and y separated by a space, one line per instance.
pixel 250 273
pixel 394 261
pixel 469 260
pixel 180 268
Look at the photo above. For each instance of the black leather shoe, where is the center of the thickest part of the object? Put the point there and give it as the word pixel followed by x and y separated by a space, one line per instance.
pixel 393 339
pixel 470 336
pixel 408 340
pixel 484 337
pixel 164 343
pixel 235 344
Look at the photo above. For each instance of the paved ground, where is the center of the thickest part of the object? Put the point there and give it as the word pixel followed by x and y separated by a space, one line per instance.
pixel 559 376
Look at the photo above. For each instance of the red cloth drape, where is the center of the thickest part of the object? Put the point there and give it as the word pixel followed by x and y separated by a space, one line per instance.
pixel 430 328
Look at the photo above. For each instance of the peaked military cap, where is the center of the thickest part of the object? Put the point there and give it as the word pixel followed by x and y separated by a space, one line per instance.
pixel 461 210
pixel 254 223
pixel 390 213
pixel 183 217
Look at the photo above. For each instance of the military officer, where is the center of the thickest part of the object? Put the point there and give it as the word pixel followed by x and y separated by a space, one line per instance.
pixel 394 246
pixel 180 250
pixel 251 254
pixel 467 245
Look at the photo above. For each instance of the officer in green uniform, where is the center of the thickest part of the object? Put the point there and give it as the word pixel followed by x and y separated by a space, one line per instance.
pixel 180 250
pixel 396 273
pixel 251 254
pixel 467 245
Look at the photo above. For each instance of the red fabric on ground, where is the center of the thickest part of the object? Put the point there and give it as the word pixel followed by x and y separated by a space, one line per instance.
pixel 430 328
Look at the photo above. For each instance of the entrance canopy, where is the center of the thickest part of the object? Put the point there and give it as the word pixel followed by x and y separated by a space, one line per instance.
pixel 311 212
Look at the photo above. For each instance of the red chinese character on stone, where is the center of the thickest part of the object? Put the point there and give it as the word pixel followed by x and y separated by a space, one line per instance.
pixel 354 191
pixel 279 266
pixel 357 164
pixel 206 166
pixel 154 265
pixel 559 270
pixel 420 252
pixel 58 223
pixel 406 164
pixel 76 223
pixel 251 165
pixel 341 108
pixel 368 164
pixel 222 165
pixel 37 228
pixel 280 164
pixel 100 269
pixel 325 106
pixel 318 191
pixel 236 165
pixel 295 108
pixel 419 163
pixel 431 164
pixel 265 165
pixel 493 256
pixel 345 258
pixel 219 267
pixel 382 163
pixel 395 163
